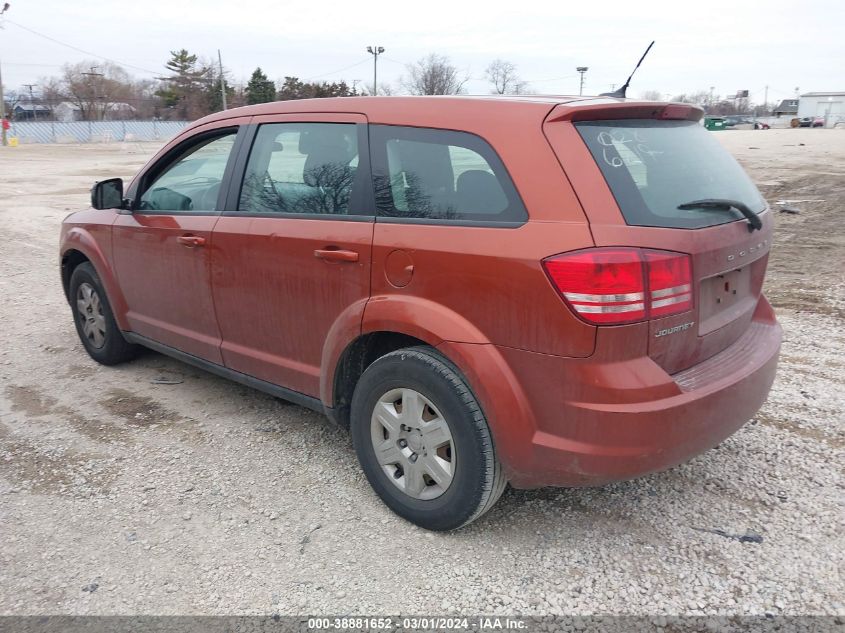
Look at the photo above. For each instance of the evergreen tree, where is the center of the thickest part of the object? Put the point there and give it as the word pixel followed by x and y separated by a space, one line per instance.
pixel 260 89
pixel 294 88
pixel 186 85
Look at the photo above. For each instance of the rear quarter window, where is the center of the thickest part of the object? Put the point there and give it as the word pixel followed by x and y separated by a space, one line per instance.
pixel 653 166
pixel 441 176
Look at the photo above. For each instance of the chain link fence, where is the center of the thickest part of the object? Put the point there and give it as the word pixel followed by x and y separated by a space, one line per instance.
pixel 94 131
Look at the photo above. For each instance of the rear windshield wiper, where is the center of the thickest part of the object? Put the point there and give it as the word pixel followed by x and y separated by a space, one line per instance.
pixel 718 204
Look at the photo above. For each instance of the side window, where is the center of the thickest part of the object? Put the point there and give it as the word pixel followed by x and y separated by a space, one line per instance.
pixel 303 168
pixel 441 175
pixel 192 181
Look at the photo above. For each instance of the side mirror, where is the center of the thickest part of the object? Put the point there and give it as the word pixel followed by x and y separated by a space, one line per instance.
pixel 107 194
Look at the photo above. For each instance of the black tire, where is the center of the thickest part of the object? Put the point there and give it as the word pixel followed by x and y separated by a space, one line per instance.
pixel 114 348
pixel 477 480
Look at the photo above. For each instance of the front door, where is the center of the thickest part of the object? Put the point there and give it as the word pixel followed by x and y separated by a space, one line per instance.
pixel 162 250
pixel 292 248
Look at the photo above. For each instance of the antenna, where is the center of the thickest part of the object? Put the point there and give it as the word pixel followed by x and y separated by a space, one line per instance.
pixel 620 94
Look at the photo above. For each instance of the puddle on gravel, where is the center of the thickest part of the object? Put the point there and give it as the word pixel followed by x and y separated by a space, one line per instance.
pixel 30 400
pixel 36 404
pixel 139 410
pixel 808 433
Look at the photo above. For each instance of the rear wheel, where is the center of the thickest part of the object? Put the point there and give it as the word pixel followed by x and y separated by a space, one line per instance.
pixel 423 442
pixel 94 319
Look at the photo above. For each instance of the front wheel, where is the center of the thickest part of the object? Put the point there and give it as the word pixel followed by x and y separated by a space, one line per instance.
pixel 423 441
pixel 94 319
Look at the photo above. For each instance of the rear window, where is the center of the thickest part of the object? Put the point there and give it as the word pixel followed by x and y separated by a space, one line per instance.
pixel 653 166
pixel 440 176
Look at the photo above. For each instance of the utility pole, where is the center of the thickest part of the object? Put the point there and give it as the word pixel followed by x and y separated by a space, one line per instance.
pixel 5 140
pixel 222 80
pixel 92 74
pixel 375 51
pixel 766 101
pixel 582 70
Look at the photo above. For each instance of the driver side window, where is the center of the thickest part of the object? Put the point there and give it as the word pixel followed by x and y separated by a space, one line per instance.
pixel 192 182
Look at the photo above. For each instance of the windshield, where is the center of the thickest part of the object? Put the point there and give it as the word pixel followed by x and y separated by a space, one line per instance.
pixel 652 167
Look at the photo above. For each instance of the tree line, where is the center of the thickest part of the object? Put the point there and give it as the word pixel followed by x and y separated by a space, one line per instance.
pixel 192 87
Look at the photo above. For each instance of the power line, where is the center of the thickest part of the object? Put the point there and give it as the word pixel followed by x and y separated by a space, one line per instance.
pixel 363 61
pixel 80 50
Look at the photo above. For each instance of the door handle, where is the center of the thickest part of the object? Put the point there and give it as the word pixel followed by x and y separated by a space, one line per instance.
pixel 336 255
pixel 191 240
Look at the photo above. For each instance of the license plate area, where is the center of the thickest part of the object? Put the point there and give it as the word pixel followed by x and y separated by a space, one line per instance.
pixel 724 298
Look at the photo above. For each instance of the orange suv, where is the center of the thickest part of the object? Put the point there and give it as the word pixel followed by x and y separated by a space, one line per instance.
pixel 540 291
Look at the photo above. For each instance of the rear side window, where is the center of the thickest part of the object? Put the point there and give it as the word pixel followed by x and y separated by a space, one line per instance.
pixel 653 166
pixel 440 175
pixel 301 168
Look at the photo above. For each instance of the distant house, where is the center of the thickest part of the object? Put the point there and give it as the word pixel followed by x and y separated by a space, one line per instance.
pixel 787 107
pixel 31 112
pixel 828 105
pixel 120 111
pixel 67 112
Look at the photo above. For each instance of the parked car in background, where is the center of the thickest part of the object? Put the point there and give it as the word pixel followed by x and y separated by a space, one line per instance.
pixel 818 121
pixel 733 120
pixel 542 291
pixel 805 121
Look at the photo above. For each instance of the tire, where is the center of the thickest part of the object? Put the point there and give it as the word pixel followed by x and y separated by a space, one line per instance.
pixel 98 331
pixel 460 474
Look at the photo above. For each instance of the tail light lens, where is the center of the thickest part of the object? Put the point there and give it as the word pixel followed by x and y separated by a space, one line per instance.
pixel 611 286
pixel 669 283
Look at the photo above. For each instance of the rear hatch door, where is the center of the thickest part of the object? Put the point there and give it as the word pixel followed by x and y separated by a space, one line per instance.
pixel 632 166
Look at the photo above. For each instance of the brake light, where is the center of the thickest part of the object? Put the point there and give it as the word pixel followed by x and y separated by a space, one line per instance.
pixel 669 283
pixel 611 286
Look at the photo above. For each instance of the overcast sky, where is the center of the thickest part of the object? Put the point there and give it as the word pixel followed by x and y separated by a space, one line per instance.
pixel 728 45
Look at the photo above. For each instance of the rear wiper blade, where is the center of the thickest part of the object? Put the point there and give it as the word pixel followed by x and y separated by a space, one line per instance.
pixel 720 204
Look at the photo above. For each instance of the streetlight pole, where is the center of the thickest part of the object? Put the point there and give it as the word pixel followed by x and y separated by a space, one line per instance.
pixel 375 51
pixel 5 141
pixel 222 79
pixel 581 70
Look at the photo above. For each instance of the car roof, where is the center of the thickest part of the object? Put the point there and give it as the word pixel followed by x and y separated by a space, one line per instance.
pixel 445 111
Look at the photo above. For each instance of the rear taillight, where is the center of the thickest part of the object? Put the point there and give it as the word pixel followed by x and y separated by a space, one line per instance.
pixel 611 286
pixel 669 283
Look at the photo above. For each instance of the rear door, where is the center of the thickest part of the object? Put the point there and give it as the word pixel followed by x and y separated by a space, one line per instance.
pixel 292 248
pixel 631 169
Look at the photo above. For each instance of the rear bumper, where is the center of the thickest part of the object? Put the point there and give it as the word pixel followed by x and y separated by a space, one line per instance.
pixel 598 422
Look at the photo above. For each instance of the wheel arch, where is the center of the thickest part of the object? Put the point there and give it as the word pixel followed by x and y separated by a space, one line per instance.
pixel 378 326
pixel 354 360
pixel 78 247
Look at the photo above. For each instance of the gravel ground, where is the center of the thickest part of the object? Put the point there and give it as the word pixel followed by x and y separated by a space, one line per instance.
pixel 122 496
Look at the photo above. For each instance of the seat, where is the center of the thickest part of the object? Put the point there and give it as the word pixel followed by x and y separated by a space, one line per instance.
pixel 479 191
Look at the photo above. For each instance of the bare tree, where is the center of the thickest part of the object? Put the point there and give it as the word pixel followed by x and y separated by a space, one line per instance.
pixel 504 78
pixel 95 87
pixel 384 89
pixel 700 97
pixel 651 95
pixel 433 75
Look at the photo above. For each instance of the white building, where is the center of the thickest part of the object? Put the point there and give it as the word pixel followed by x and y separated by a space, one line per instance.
pixel 829 105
